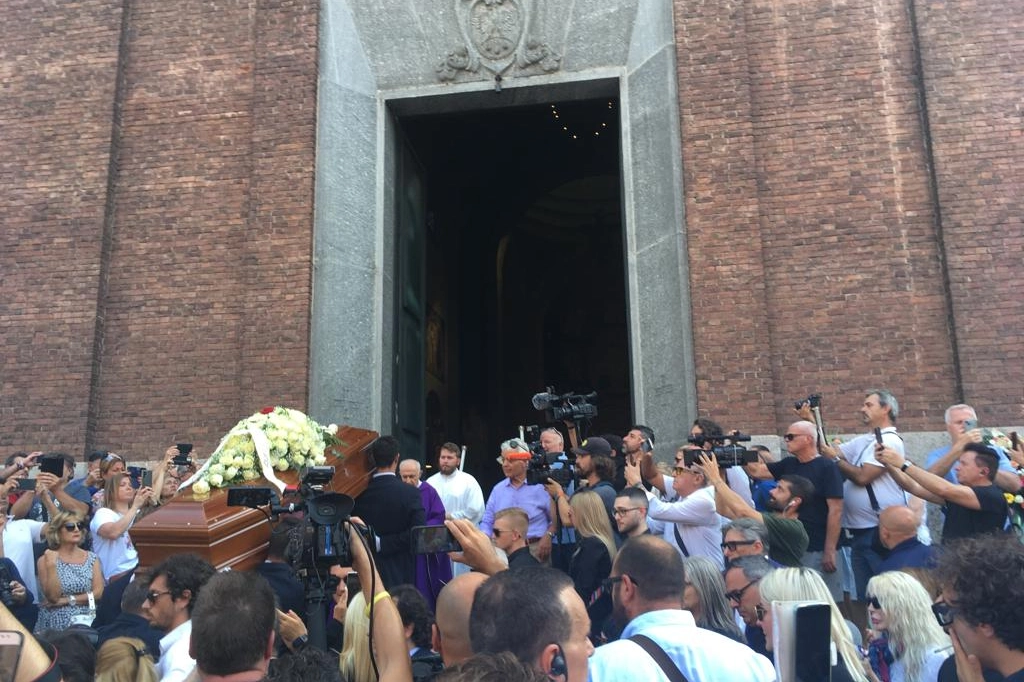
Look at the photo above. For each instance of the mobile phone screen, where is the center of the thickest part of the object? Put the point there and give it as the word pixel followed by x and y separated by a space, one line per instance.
pixel 813 643
pixel 10 652
pixel 52 465
pixel 433 539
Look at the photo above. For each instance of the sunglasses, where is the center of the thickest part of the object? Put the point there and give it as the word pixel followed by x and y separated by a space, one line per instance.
pixel 760 612
pixel 944 613
pixel 873 603
pixel 112 457
pixel 731 545
pixel 737 595
pixel 793 436
pixel 153 595
pixel 496 532
pixel 74 526
pixel 679 471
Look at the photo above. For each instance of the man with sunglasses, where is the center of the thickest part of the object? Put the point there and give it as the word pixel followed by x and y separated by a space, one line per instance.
pixel 509 531
pixel 982 581
pixel 173 591
pixel 743 594
pixel 821 513
pixel 647 584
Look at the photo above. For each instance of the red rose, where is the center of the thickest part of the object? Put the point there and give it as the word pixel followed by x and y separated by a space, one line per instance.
pixel 266 410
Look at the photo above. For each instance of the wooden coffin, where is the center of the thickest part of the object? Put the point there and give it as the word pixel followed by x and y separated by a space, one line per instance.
pixel 237 537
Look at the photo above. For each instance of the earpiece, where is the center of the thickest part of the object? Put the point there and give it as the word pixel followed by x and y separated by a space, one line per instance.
pixel 558 666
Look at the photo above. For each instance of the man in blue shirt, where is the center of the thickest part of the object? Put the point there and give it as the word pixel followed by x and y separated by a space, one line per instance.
pixel 647 587
pixel 962 427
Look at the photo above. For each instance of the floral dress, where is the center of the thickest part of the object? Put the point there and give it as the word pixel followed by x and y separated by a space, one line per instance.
pixel 74 579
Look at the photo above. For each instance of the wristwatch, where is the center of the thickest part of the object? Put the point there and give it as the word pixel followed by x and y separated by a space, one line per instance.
pixel 906 465
pixel 71 600
pixel 300 642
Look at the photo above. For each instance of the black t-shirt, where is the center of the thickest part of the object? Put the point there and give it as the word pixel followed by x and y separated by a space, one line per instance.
pixel 828 483
pixel 962 522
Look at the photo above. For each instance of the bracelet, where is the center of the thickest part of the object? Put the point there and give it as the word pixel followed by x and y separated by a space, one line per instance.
pixel 377 597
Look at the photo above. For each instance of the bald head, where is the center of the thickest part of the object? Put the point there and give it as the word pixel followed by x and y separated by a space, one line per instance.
pixel 409 470
pixel 451 617
pixel 896 524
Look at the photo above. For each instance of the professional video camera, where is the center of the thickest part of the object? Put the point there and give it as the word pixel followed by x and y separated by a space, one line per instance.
pixel 724 447
pixel 570 406
pixel 540 469
pixel 324 538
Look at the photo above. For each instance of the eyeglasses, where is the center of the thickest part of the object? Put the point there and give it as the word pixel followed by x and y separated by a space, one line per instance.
pixel 608 583
pixel 496 532
pixel 74 526
pixel 737 595
pixel 944 613
pixel 873 602
pixel 153 595
pixel 793 436
pixel 679 471
pixel 759 612
pixel 733 544
pixel 622 511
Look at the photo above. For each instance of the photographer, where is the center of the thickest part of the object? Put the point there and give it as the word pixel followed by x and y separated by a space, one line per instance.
pixel 595 467
pixel 169 472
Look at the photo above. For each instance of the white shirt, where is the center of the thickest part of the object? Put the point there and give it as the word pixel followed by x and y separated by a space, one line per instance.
pixel 18 538
pixel 857 511
pixel 117 555
pixel 175 664
pixel 695 518
pixel 461 495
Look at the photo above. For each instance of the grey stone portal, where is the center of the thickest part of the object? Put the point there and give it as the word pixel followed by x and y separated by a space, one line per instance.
pixel 381 59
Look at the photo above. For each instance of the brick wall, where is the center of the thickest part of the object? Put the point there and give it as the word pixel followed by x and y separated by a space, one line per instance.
pixel 203 289
pixel 807 164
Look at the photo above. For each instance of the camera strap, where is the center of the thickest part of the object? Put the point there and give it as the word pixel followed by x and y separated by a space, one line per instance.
pixel 653 650
pixel 679 541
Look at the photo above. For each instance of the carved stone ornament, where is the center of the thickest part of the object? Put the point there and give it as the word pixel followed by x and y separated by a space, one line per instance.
pixel 495 35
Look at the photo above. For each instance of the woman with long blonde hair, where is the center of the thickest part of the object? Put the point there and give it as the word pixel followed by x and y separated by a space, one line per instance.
pixel 907 644
pixel 354 659
pixel 591 561
pixel 804 584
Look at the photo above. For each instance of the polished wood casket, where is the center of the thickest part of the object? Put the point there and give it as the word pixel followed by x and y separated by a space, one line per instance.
pixel 237 537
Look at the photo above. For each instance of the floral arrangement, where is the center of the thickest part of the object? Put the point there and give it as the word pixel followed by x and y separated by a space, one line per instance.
pixel 997 438
pixel 272 440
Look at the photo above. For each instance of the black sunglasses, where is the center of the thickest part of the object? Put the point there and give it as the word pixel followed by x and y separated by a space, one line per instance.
pixel 74 526
pixel 944 613
pixel 731 545
pixel 873 602
pixel 760 611
pixel 737 595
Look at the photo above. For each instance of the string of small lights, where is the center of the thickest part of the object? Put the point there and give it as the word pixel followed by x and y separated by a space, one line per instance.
pixel 575 134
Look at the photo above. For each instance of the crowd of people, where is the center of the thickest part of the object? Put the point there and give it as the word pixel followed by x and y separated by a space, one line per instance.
pixel 630 568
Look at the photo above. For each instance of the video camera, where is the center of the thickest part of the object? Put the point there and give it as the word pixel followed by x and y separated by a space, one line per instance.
pixel 539 469
pixel 323 538
pixel 570 406
pixel 725 449
pixel 6 592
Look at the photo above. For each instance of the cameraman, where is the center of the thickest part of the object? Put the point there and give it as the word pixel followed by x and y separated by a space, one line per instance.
pixel 514 491
pixel 596 467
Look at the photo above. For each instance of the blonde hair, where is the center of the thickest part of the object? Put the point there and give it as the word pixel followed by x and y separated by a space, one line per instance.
pixel 52 529
pixel 517 518
pixel 354 660
pixel 125 659
pixel 913 631
pixel 590 518
pixel 804 584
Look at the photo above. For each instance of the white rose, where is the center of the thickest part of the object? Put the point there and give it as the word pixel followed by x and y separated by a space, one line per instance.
pixel 217 468
pixel 230 473
pixel 216 480
pixel 298 460
pixel 332 429
pixel 282 465
pixel 248 447
pixel 250 475
pixel 200 487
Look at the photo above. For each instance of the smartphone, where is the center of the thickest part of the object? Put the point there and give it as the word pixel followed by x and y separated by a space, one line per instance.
pixel 11 642
pixel 812 644
pixel 970 425
pixel 183 458
pixel 184 448
pixel 249 497
pixel 135 475
pixel 878 436
pixel 52 465
pixel 147 478
pixel 1014 440
pixel 646 445
pixel 353 585
pixel 26 484
pixel 433 539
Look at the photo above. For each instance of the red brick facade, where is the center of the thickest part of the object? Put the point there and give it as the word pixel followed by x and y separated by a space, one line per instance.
pixel 158 172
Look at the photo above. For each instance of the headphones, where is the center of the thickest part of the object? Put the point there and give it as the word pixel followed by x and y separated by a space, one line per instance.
pixel 558 666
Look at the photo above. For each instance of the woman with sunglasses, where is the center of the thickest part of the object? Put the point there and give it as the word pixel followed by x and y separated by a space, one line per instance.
pixel 70 577
pixel 805 584
pixel 906 643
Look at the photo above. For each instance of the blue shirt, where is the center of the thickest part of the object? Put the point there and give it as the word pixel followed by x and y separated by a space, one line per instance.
pixel 936 454
pixel 908 554
pixel 533 499
pixel 701 655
